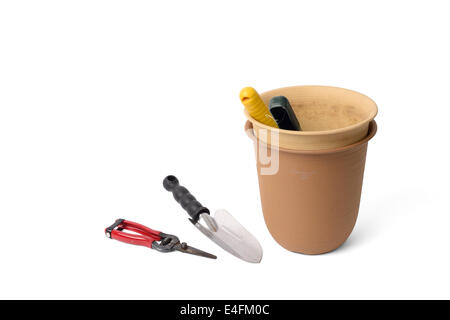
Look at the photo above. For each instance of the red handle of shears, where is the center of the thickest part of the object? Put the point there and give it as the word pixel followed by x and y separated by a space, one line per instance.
pixel 143 235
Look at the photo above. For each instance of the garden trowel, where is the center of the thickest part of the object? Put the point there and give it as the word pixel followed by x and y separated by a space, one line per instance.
pixel 223 229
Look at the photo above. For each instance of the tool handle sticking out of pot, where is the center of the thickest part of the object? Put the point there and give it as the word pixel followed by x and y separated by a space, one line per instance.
pixel 284 115
pixel 256 107
pixel 223 229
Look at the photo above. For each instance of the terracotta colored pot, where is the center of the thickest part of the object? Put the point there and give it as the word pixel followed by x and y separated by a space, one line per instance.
pixel 330 117
pixel 311 202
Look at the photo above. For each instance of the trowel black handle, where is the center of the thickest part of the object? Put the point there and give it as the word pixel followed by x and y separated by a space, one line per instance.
pixel 184 197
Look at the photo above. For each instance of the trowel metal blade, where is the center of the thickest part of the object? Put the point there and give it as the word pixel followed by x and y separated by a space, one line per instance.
pixel 229 234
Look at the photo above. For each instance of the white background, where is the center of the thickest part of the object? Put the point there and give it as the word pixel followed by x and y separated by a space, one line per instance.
pixel 100 100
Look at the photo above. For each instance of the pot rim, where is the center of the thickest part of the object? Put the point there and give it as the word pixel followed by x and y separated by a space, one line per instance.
pixel 371 133
pixel 322 132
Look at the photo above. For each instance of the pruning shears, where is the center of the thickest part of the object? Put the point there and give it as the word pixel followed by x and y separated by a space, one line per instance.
pixel 144 236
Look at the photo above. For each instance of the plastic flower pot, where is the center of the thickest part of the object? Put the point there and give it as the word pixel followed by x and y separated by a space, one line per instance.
pixel 310 197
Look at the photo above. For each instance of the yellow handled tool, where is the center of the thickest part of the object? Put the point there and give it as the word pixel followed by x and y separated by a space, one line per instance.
pixel 256 107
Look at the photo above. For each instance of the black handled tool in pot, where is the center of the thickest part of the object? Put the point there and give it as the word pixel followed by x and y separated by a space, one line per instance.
pixel 223 229
pixel 284 115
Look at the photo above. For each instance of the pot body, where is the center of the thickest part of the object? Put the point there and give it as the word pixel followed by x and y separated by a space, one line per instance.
pixel 311 202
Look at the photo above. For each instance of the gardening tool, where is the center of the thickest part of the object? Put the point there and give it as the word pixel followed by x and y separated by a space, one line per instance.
pixel 223 229
pixel 282 112
pixel 152 239
pixel 256 107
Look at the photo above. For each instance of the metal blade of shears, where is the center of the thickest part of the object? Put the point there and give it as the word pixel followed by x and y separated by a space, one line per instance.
pixel 183 247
